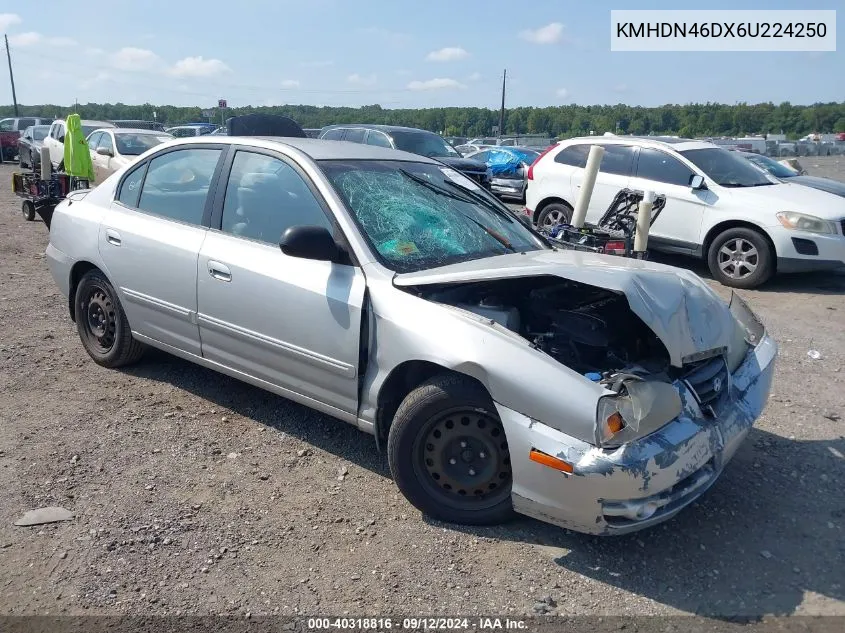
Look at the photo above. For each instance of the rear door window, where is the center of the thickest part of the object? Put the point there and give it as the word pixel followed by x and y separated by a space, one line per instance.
pixel 177 184
pixel 130 188
pixel 617 160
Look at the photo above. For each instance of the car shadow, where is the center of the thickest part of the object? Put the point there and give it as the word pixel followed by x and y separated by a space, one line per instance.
pixel 767 534
pixel 278 413
pixel 831 282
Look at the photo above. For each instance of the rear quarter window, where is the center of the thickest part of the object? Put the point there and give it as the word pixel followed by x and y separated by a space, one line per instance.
pixel 574 156
pixel 130 188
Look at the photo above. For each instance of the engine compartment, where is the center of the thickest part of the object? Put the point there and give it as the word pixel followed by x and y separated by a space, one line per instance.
pixel 588 329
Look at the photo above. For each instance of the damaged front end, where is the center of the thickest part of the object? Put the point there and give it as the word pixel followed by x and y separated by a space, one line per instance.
pixel 678 378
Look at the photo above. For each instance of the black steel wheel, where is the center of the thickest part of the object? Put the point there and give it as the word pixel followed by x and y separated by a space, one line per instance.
pixel 28 210
pixel 449 455
pixel 102 324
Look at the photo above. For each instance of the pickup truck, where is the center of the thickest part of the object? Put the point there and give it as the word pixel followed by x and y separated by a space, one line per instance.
pixel 11 130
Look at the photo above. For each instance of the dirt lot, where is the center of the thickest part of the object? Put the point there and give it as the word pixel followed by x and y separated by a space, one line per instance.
pixel 195 493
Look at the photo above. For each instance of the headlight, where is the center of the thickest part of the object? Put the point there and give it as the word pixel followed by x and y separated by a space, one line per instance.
pixel 804 222
pixel 645 406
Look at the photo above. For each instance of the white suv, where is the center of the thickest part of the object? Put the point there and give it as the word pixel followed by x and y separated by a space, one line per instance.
pixel 718 206
pixel 55 139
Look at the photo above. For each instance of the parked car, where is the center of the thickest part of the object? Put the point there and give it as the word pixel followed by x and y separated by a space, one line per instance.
pixel 191 129
pixel 744 223
pixel 409 139
pixel 467 149
pixel 139 124
pixel 392 295
pixel 55 140
pixel 10 131
pixel 507 168
pixel 311 132
pixel 29 145
pixel 781 171
pixel 114 148
pixel 454 141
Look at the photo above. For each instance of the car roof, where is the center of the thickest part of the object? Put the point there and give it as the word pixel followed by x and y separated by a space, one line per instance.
pixel 318 149
pixel 133 130
pixel 379 127
pixel 666 142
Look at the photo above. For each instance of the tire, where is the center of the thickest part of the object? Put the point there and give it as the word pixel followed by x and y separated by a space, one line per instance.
pixel 754 265
pixel 448 453
pixel 554 213
pixel 102 324
pixel 28 210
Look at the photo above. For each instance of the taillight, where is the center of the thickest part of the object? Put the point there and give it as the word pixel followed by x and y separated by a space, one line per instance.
pixel 614 248
pixel 538 159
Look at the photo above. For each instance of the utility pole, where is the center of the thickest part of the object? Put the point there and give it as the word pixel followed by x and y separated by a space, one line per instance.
pixel 502 111
pixel 11 76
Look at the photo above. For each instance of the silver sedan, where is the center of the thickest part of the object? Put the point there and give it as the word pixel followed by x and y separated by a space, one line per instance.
pixel 389 291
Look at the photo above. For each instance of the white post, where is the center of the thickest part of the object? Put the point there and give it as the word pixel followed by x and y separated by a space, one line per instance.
pixel 643 222
pixel 46 165
pixel 590 173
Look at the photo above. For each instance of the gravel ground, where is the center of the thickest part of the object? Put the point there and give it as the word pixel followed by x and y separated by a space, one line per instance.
pixel 197 494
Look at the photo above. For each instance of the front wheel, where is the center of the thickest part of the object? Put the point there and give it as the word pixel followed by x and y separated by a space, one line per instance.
pixel 448 453
pixel 741 258
pixel 102 324
pixel 553 214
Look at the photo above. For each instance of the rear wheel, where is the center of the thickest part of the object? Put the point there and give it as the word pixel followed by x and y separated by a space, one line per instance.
pixel 553 214
pixel 448 453
pixel 102 324
pixel 28 210
pixel 741 258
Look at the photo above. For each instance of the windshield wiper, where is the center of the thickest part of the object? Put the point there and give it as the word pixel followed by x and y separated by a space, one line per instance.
pixel 507 215
pixel 432 187
pixel 501 239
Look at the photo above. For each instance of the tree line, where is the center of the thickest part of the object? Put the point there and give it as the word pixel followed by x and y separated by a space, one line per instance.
pixel 691 120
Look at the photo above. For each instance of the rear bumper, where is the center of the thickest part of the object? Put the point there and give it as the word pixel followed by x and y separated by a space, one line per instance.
pixel 60 265
pixel 645 482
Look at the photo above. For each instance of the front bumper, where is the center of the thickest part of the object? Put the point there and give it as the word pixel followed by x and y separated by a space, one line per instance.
pixel 645 482
pixel 800 251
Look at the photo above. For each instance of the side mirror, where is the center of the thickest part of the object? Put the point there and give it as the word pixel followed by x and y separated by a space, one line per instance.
pixel 697 182
pixel 62 138
pixel 309 242
pixel 104 151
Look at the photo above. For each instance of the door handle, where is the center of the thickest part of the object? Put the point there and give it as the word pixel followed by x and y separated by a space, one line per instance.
pixel 113 237
pixel 219 271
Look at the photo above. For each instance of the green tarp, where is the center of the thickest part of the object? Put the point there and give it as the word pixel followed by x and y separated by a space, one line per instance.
pixel 77 155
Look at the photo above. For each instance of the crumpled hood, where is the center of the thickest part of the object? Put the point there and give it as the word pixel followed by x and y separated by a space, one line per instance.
pixel 685 314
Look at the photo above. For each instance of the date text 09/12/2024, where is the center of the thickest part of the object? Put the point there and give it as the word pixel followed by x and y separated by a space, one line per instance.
pixel 416 624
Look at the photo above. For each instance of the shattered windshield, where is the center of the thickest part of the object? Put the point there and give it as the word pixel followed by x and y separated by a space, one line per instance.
pixel 418 216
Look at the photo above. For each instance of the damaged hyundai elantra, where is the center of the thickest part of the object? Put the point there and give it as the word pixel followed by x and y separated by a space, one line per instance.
pixel 500 374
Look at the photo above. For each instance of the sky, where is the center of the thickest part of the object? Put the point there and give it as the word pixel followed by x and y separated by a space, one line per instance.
pixel 397 53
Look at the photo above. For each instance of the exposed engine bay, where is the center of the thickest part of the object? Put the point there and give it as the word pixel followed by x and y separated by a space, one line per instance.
pixel 588 329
